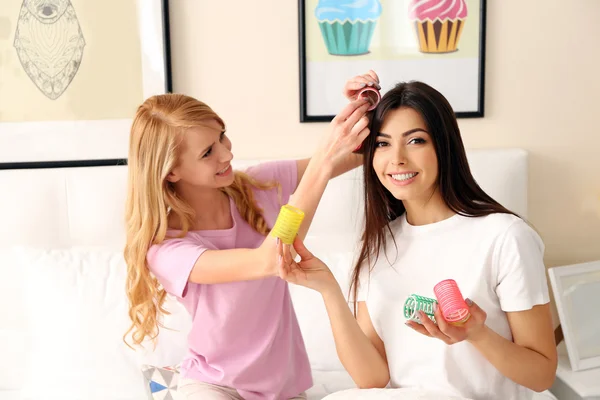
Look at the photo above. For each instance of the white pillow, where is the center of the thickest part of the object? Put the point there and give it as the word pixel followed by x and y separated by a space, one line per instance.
pixel 14 340
pixel 311 312
pixel 77 312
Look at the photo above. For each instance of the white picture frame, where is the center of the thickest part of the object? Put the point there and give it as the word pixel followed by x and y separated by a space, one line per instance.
pixel 576 290
pixel 122 51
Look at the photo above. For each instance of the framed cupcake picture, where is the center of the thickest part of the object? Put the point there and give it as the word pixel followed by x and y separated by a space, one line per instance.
pixel 439 42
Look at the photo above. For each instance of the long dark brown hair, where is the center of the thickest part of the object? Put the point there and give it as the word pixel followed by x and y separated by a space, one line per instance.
pixel 455 182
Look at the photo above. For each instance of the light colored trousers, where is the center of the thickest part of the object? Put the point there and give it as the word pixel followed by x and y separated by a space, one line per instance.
pixel 196 390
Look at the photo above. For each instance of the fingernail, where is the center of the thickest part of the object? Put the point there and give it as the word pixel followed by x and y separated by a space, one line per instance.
pixel 371 83
pixel 279 258
pixel 469 302
pixel 277 241
pixel 435 307
pixel 362 85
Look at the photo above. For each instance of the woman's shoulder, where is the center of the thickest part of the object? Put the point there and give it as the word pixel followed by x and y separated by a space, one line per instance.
pixel 507 227
pixel 499 221
pixel 170 255
pixel 270 170
pixel 502 222
pixel 175 239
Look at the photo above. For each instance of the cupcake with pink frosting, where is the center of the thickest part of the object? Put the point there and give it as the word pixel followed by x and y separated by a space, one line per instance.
pixel 438 23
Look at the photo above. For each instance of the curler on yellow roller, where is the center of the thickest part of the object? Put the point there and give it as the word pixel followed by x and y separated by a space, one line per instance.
pixel 287 224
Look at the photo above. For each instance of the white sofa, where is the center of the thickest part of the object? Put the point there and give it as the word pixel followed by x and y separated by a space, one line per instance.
pixel 62 280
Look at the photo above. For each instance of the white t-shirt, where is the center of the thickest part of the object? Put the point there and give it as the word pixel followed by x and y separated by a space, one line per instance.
pixel 496 260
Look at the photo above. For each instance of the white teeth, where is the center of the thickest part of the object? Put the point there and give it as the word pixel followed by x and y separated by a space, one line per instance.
pixel 223 170
pixel 403 177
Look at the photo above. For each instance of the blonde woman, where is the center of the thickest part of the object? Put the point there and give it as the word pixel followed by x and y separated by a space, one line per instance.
pixel 198 230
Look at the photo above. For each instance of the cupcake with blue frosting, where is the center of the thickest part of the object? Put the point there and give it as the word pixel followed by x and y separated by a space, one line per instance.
pixel 347 26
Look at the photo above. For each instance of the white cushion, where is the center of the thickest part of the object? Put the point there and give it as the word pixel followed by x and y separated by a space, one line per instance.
pixel 311 313
pixel 12 395
pixel 76 309
pixel 326 382
pixel 77 313
pixel 14 338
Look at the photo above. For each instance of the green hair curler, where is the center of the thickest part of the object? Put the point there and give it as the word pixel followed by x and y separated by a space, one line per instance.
pixel 415 303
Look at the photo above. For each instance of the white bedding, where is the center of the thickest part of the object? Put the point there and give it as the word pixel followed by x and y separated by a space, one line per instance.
pixel 326 382
pixel 331 385
pixel 406 394
pixel 321 392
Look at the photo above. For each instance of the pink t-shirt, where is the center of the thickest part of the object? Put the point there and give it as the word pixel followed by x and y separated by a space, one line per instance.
pixel 244 335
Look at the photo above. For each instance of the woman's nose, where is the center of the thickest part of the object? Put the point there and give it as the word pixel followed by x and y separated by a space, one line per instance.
pixel 398 159
pixel 225 155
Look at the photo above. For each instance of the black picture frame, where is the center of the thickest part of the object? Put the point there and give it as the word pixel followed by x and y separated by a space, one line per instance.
pixel 306 116
pixel 160 14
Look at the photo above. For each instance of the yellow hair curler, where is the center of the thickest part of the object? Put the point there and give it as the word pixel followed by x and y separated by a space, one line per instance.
pixel 287 224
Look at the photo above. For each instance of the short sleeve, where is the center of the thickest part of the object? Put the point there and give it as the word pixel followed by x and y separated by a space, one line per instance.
pixel 284 172
pixel 519 261
pixel 172 261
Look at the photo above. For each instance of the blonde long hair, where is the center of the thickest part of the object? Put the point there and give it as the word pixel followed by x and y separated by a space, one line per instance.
pixel 154 146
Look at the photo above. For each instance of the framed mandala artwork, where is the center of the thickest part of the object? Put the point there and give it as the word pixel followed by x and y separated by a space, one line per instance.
pixel 72 74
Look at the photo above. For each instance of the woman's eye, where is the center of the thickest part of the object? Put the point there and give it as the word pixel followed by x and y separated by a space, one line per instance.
pixel 207 153
pixel 222 136
pixel 416 141
pixel 381 144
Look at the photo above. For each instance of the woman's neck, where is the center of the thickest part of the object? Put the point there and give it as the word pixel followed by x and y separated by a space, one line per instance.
pixel 211 208
pixel 428 210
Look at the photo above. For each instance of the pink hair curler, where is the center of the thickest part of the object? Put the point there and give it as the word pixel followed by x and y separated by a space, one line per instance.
pixel 452 304
pixel 371 94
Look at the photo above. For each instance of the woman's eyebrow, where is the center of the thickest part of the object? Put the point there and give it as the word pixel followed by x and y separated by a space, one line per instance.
pixel 405 134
